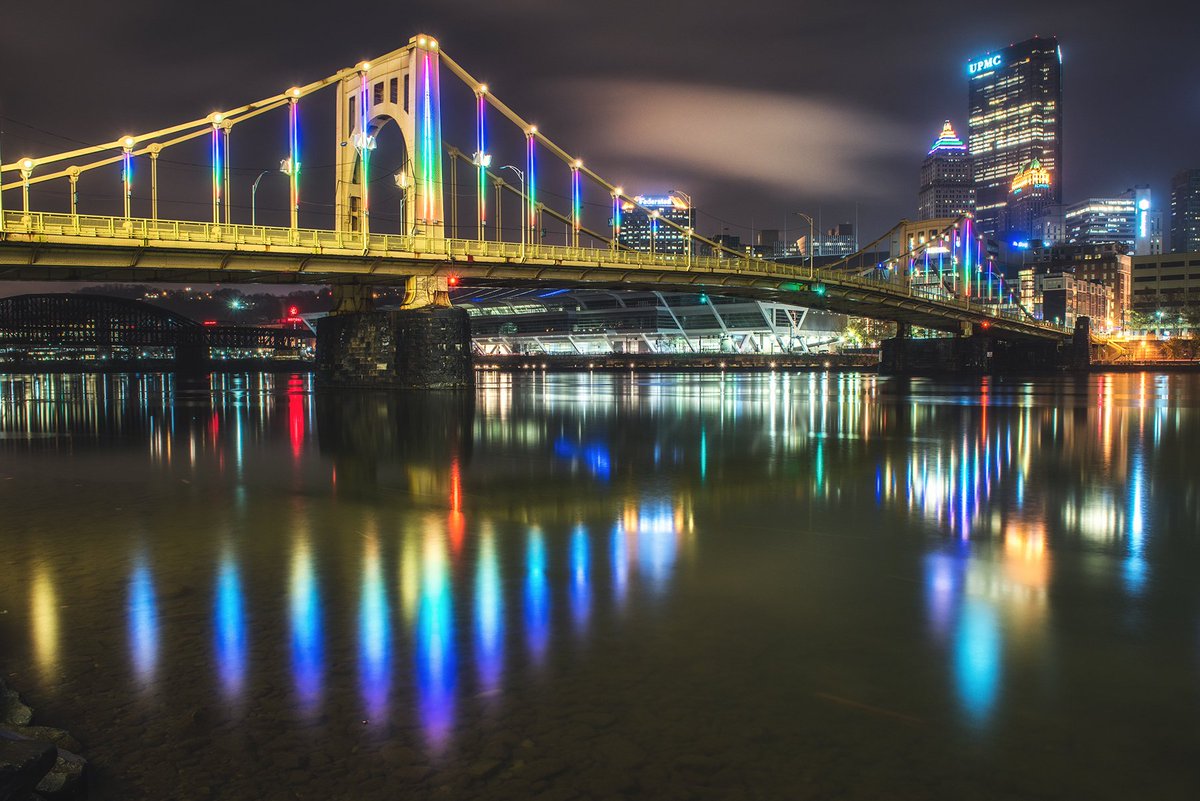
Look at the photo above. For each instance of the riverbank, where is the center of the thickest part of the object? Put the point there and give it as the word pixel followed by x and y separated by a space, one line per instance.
pixel 36 762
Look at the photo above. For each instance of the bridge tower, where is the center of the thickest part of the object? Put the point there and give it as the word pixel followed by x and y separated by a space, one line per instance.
pixel 425 344
pixel 401 87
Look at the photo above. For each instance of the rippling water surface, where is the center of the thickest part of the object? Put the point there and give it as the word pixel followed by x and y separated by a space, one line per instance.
pixel 604 587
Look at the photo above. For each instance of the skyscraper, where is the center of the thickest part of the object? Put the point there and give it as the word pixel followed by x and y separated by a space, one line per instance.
pixel 647 231
pixel 1128 219
pixel 947 179
pixel 1185 212
pixel 1014 117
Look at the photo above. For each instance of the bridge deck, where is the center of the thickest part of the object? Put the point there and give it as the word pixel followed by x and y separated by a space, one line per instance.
pixel 43 246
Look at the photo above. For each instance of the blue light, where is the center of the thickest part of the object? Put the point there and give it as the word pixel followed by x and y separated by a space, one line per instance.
pixel 437 663
pixel 581 588
pixel 308 647
pixel 553 293
pixel 977 664
pixel 143 622
pixel 537 596
pixel 230 627
pixel 656 544
pixel 374 635
pixel 619 557
pixel 489 617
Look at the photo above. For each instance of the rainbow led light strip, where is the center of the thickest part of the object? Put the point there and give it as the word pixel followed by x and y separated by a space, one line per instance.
pixel 531 182
pixel 429 137
pixel 966 244
pixel 364 151
pixel 127 171
pixel 216 168
pixel 576 201
pixel 480 150
pixel 294 152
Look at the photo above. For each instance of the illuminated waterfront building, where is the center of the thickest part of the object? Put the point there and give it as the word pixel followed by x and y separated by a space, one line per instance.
pixel 1015 116
pixel 652 230
pixel 1127 219
pixel 1032 211
pixel 1185 212
pixel 1166 282
pixel 947 179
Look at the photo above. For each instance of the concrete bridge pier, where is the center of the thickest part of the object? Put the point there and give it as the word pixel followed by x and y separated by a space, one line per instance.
pixel 426 344
pixel 974 353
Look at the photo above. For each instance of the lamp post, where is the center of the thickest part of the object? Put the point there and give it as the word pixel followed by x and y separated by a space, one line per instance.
pixel 402 183
pixel 482 161
pixel 686 198
pixel 284 167
pixel 811 239
pixel 524 212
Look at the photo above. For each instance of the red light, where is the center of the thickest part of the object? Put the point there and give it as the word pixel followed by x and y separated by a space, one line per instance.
pixel 293 311
pixel 210 322
pixel 985 324
pixel 452 280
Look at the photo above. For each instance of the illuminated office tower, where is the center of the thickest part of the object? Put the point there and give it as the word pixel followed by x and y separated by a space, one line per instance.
pixel 1185 212
pixel 947 179
pixel 648 231
pixel 1014 117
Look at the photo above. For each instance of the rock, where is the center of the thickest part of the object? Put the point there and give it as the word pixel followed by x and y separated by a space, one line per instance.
pixel 12 711
pixel 59 737
pixel 65 778
pixel 23 763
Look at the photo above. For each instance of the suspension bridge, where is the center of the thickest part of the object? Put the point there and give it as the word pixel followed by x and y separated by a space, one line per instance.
pixel 941 282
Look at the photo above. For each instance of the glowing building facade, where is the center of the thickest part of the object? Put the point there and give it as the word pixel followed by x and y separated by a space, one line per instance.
pixel 648 231
pixel 1032 211
pixel 1014 117
pixel 1185 212
pixel 947 179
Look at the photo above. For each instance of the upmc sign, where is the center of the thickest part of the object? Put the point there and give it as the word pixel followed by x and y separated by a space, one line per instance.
pixel 984 64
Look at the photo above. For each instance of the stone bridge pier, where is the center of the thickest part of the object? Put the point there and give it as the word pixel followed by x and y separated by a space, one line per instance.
pixel 425 344
pixel 976 352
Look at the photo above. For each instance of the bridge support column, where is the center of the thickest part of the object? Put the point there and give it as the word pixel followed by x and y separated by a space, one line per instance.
pixel 424 345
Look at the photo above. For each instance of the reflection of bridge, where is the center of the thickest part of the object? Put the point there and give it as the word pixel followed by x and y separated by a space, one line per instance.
pixel 116 326
pixel 429 252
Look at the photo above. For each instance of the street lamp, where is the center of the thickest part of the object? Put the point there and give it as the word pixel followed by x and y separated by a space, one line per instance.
pixel 524 211
pixel 811 239
pixel 285 167
pixel 401 180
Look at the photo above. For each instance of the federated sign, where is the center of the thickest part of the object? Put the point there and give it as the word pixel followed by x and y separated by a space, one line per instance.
pixel 985 64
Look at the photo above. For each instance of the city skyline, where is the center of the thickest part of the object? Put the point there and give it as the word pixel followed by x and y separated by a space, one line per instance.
pixel 804 137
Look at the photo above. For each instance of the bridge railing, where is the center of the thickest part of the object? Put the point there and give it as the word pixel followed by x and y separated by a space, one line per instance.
pixel 379 245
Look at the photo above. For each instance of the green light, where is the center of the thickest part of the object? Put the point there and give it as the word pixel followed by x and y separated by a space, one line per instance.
pixel 819 289
pixel 703 298
pixel 792 287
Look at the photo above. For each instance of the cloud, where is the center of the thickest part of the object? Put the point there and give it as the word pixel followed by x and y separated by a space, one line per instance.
pixel 788 143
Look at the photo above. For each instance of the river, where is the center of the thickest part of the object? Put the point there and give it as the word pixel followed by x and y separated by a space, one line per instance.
pixel 606 586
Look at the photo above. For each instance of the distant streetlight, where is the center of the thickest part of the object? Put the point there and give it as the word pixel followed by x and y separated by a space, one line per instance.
pixel 811 238
pixel 524 211
pixel 285 170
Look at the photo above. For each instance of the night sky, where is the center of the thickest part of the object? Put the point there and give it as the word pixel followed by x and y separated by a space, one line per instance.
pixel 755 108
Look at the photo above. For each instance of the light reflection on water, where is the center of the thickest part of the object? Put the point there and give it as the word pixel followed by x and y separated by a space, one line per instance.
pixel 436 555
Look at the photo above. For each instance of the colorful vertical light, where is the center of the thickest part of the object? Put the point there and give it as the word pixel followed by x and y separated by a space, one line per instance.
pixel 616 217
pixel 537 596
pixel 428 175
pixel 489 614
pixel 294 158
pixel 305 618
pixel 364 150
pixel 230 613
pixel 581 589
pixel 143 622
pixel 374 634
pixel 966 243
pixel 576 202
pixel 531 183
pixel 436 659
pixel 216 172
pixel 481 157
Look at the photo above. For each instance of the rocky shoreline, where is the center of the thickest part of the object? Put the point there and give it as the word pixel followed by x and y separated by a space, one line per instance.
pixel 36 762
